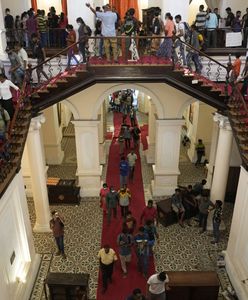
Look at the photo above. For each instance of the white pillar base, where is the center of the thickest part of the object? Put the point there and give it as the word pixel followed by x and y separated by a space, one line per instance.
pixel 234 276
pixel 164 183
pixel 90 183
pixel 54 155
pixel 41 228
pixel 28 185
pixel 102 153
pixel 150 152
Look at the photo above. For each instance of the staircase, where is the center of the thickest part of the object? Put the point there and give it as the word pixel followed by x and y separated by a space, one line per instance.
pixel 78 78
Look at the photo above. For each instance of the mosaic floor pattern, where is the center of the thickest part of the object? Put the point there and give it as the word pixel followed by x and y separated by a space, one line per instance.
pixel 179 248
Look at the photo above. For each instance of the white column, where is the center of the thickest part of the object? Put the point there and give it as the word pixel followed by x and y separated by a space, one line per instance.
pixel 167 151
pixel 222 159
pixel 150 152
pixel 88 164
pixel 52 136
pixel 212 155
pixel 26 173
pixel 3 43
pixel 102 133
pixel 38 175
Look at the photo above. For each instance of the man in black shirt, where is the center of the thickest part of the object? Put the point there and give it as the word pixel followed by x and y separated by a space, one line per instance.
pixel 40 54
pixel 230 17
pixel 9 26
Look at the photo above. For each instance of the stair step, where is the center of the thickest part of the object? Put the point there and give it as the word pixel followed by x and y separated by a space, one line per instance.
pixel 244 147
pixel 52 86
pixel 237 113
pixel 240 129
pixel 245 155
pixel 73 75
pixel 43 91
pixel 242 138
pixel 61 80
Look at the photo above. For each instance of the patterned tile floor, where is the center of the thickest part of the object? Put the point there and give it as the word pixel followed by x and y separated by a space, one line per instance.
pixel 179 248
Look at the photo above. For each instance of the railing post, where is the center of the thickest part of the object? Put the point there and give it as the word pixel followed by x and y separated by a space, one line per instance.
pixel 228 69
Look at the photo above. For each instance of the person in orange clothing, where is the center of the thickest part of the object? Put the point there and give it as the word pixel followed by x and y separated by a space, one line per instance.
pixel 235 70
pixel 103 193
pixel 71 39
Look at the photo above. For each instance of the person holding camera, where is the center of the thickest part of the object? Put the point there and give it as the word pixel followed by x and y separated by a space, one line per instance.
pixel 57 227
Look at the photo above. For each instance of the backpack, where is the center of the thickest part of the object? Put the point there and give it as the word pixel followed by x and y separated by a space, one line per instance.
pixel 156 26
pixel 187 32
pixel 88 30
pixel 129 26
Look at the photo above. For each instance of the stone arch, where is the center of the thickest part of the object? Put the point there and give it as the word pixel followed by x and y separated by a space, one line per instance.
pixel 184 106
pixel 135 86
pixel 72 108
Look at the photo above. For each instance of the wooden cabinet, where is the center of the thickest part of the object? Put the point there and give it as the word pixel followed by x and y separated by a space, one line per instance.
pixel 63 191
pixel 67 286
pixel 193 286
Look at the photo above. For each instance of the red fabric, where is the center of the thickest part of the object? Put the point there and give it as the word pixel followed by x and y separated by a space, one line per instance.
pixel 123 5
pixel 34 4
pixel 121 288
pixel 149 214
pixel 144 134
pixel 64 6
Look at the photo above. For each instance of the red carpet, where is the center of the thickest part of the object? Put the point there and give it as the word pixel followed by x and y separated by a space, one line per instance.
pixel 144 134
pixel 122 287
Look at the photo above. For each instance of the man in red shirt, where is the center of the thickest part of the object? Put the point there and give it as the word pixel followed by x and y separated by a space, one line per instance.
pixel 57 226
pixel 149 213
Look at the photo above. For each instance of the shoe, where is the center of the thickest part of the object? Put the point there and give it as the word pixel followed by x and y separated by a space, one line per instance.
pixel 57 253
pixel 64 256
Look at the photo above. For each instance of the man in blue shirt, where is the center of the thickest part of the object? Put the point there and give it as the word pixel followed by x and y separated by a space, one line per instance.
pixel 124 168
pixel 109 20
pixel 142 251
pixel 211 25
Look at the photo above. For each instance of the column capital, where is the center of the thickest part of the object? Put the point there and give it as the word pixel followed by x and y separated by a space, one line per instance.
pixel 86 123
pixel 170 122
pixel 36 122
pixel 222 121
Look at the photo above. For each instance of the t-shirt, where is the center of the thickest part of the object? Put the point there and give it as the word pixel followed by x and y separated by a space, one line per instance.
pixel 124 242
pixel 149 213
pixel 37 51
pixel 5 92
pixel 23 56
pixel 169 28
pixel 124 168
pixel 124 198
pixel 157 286
pixel 42 24
pixel 180 27
pixel 108 19
pixel 131 159
pixel 8 22
pixel 204 205
pixel 57 227
pixel 236 67
pixel 107 258
pixel 200 20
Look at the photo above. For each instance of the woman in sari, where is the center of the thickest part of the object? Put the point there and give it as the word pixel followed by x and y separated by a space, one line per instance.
pixel 165 49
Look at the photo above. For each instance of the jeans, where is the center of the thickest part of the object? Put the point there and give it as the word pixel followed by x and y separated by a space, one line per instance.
pixel 142 261
pixel 82 50
pixel 181 54
pixel 123 180
pixel 124 210
pixel 211 38
pixel 131 172
pixel 199 158
pixel 70 56
pixel 203 221
pixel 43 38
pixel 107 271
pixel 17 76
pixel 110 213
pixel 60 243
pixel 111 42
pixel 194 56
pixel 216 231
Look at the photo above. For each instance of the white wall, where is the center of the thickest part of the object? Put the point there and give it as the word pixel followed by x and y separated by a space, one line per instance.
pixel 16 236
pixel 237 249
pixel 16 7
pixel 234 4
pixel 43 4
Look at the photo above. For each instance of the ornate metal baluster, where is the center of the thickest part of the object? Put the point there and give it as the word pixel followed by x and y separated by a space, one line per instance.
pixel 50 69
pixel 208 69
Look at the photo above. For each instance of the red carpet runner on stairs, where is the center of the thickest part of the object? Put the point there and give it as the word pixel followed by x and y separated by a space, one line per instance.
pixel 122 287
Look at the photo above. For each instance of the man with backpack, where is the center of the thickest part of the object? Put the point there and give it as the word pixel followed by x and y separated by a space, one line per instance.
pixel 157 30
pixel 84 32
pixel 151 231
pixel 180 34
pixel 125 242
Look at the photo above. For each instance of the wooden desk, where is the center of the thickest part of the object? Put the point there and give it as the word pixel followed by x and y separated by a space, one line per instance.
pixel 67 286
pixel 193 285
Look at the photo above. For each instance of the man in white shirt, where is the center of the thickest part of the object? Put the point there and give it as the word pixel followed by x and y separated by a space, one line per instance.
pixel 180 33
pixel 157 285
pixel 22 54
pixel 109 20
pixel 6 95
pixel 131 157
